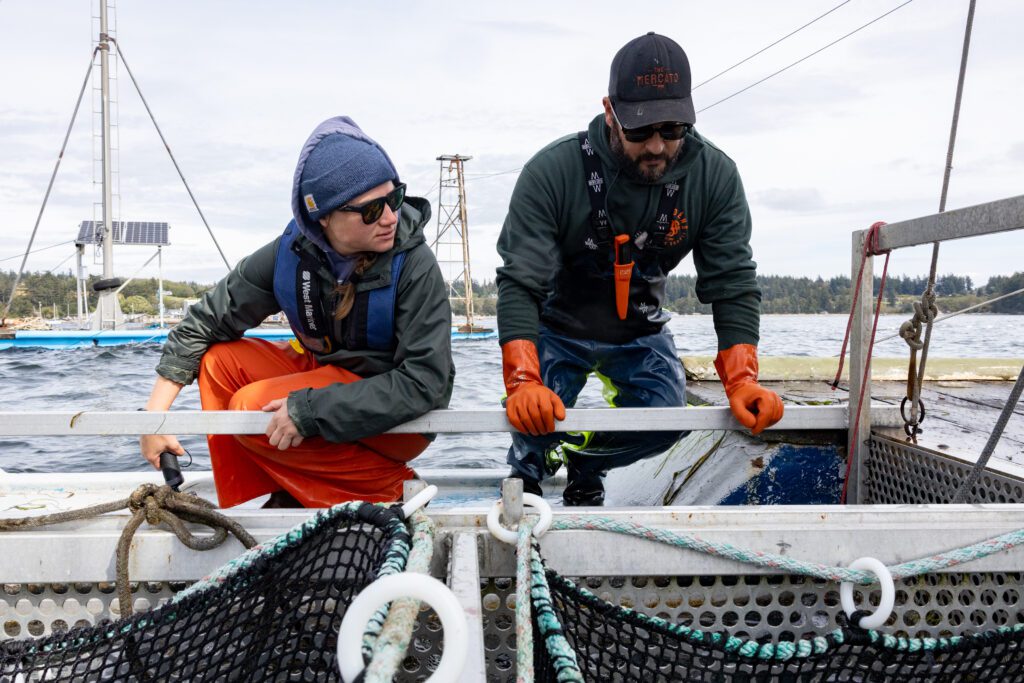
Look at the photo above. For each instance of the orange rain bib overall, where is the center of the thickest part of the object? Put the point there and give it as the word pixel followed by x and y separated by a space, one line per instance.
pixel 249 373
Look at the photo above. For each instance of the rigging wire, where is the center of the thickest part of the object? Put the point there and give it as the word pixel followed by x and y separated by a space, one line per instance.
pixel 120 53
pixel 767 47
pixel 46 197
pixel 962 310
pixel 927 308
pixel 34 251
pixel 68 258
pixel 477 176
pixel 805 58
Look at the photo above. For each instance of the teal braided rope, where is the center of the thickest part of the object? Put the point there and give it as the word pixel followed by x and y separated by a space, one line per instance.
pixel 267 549
pixel 524 624
pixel 775 651
pixel 791 565
pixel 563 657
pixel 395 633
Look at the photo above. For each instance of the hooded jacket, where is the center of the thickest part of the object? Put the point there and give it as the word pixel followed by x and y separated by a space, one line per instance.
pixel 400 384
pixel 549 272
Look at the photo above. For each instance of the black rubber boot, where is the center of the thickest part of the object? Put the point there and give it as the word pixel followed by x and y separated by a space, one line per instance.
pixel 583 489
pixel 530 485
pixel 281 499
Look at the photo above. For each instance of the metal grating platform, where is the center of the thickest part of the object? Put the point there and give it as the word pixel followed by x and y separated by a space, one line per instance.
pixel 36 609
pixel 900 472
pixel 693 589
pixel 776 607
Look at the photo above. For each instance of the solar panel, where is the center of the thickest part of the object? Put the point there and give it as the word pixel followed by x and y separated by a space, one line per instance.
pixel 130 232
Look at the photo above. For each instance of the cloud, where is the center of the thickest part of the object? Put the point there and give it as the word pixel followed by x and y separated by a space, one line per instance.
pixel 1016 153
pixel 854 134
pixel 796 199
pixel 529 29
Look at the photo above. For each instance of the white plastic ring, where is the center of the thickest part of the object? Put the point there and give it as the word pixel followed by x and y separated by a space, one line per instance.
pixel 885 605
pixel 405 585
pixel 419 500
pixel 508 536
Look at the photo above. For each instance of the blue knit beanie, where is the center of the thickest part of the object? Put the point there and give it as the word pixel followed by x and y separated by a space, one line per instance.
pixel 339 169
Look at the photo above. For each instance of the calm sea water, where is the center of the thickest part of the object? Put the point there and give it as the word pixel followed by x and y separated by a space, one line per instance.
pixel 120 379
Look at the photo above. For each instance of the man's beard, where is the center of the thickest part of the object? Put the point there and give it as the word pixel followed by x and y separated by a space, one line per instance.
pixel 631 168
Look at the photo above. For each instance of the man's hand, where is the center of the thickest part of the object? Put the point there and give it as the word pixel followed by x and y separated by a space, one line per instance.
pixel 152 445
pixel 281 431
pixel 755 407
pixel 531 407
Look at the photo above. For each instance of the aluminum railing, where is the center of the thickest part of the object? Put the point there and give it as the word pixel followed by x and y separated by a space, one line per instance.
pixel 92 423
pixel 983 219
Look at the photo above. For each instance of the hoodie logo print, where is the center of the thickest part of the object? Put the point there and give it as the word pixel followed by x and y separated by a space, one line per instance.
pixel 677 228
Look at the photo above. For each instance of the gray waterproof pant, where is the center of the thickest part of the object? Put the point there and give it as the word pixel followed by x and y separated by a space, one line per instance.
pixel 645 372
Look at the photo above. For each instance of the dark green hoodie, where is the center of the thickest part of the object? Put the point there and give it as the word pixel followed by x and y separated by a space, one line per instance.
pixel 552 274
pixel 399 385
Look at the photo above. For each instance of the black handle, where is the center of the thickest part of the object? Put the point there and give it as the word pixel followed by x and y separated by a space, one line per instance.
pixel 171 469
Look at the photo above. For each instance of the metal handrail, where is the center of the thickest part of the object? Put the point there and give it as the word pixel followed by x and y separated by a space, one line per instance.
pixel 86 423
pixel 1002 215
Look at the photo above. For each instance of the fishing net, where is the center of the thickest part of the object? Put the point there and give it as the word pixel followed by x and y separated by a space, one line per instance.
pixel 581 637
pixel 270 615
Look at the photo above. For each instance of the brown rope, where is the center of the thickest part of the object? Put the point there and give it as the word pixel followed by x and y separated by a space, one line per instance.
pixel 156 505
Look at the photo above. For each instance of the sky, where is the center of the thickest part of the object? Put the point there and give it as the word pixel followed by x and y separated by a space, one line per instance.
pixel 855 134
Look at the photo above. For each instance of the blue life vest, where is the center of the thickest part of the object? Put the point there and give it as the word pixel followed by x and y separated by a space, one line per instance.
pixel 310 309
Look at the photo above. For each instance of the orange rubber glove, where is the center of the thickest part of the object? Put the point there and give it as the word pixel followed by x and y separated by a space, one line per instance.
pixel 755 407
pixel 531 407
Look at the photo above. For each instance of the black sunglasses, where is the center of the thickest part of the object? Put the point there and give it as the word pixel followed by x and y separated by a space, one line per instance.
pixel 372 210
pixel 669 130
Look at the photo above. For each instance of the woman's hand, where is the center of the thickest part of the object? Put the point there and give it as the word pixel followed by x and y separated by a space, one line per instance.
pixel 281 431
pixel 153 445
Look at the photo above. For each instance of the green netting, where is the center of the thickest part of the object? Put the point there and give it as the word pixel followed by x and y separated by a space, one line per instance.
pixel 271 615
pixel 588 639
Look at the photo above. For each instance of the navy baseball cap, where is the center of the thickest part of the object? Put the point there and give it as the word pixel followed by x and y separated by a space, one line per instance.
pixel 650 82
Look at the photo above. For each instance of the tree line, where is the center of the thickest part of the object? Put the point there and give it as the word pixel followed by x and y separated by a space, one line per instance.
pixel 46 293
pixel 789 294
pixel 43 294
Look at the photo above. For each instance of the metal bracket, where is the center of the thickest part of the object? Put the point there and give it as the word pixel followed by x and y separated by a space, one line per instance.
pixel 411 487
pixel 511 502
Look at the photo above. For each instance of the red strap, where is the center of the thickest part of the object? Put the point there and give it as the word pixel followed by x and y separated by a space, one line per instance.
pixel 870 248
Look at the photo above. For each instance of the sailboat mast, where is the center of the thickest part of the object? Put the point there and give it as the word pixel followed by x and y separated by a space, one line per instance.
pixel 106 308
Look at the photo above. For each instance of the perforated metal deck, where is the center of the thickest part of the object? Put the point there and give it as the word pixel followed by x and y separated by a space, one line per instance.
pixel 680 586
pixel 899 472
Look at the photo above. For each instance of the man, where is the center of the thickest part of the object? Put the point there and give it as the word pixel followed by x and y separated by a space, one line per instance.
pixel 596 222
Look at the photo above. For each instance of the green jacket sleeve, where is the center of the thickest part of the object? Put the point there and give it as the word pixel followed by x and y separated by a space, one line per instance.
pixel 239 302
pixel 528 245
pixel 420 381
pixel 726 272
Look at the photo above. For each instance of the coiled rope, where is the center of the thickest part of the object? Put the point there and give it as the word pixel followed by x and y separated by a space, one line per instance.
pixel 156 505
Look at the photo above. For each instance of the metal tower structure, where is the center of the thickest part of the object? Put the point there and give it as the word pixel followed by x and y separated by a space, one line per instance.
pixel 451 246
pixel 108 311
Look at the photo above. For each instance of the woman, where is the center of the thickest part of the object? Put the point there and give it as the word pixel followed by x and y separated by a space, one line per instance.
pixel 369 308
